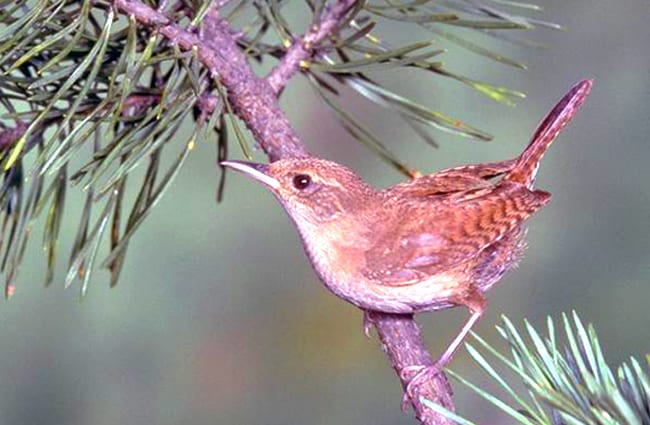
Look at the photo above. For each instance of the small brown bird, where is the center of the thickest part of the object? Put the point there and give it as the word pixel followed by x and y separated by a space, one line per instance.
pixel 427 244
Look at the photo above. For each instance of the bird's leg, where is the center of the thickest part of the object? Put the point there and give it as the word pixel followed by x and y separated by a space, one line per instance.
pixel 453 347
pixel 476 304
pixel 368 322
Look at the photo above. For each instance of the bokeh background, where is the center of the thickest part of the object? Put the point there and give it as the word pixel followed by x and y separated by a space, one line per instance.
pixel 218 318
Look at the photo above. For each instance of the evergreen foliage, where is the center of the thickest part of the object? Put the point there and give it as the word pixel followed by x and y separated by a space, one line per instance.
pixel 566 384
pixel 86 81
pixel 81 80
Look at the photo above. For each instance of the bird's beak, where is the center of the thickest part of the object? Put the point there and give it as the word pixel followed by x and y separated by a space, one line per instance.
pixel 258 172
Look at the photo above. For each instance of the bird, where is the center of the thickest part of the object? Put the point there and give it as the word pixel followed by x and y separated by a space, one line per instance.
pixel 430 243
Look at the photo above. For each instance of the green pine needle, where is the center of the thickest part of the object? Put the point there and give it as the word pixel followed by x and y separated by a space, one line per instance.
pixel 566 385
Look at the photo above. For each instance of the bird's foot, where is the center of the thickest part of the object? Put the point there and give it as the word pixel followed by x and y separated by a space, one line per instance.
pixel 416 375
pixel 368 323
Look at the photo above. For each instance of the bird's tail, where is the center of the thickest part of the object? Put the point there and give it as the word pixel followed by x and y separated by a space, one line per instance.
pixel 525 168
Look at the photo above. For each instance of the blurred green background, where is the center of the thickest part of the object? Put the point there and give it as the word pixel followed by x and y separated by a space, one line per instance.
pixel 218 317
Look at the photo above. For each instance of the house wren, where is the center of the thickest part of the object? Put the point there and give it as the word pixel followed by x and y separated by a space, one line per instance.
pixel 427 244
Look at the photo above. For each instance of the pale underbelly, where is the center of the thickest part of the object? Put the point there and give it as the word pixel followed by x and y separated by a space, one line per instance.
pixel 433 294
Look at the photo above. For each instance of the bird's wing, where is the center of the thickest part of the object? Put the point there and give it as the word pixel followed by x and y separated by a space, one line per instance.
pixel 454 229
pixel 465 177
pixel 483 171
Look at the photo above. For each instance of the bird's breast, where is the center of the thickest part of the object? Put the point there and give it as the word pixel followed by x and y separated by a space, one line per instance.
pixel 339 268
pixel 337 252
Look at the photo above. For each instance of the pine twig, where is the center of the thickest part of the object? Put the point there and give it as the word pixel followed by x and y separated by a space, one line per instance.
pixel 303 48
pixel 251 97
pixel 404 346
pixel 255 101
pixel 400 335
pixel 9 136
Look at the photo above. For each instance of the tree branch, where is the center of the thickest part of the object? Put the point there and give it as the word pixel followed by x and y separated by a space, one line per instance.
pixel 303 48
pixel 254 100
pixel 251 97
pixel 402 342
pixel 8 136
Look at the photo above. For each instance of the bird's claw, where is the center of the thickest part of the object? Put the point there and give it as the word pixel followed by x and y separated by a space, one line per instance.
pixel 416 375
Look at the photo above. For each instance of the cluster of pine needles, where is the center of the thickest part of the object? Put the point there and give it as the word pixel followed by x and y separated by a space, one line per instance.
pixel 89 95
pixel 564 383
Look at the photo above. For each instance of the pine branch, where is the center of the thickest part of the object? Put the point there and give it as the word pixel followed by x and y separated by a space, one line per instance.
pixel 404 346
pixel 9 136
pixel 81 73
pixel 251 97
pixel 255 102
pixel 566 384
pixel 303 48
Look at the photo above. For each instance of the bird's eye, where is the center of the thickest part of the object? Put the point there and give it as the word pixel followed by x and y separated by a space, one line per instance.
pixel 301 181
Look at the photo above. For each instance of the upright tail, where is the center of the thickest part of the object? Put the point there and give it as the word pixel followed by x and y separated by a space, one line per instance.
pixel 525 168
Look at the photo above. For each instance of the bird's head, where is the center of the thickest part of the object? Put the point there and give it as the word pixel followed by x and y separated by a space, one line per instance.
pixel 312 190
